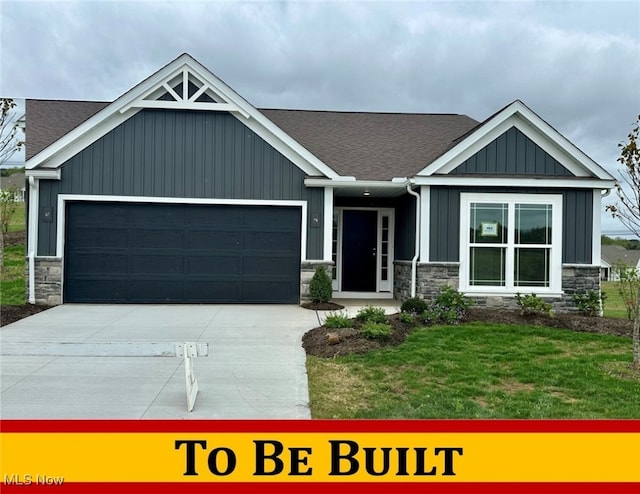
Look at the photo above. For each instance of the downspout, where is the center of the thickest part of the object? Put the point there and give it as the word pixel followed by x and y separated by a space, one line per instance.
pixel 31 240
pixel 414 261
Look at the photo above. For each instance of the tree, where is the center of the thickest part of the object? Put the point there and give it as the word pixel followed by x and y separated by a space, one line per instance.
pixel 9 142
pixel 628 210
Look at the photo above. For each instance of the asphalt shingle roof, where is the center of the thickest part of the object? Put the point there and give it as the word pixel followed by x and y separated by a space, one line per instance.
pixel 369 146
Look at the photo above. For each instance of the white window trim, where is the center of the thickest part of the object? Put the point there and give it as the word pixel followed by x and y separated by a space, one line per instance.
pixel 555 269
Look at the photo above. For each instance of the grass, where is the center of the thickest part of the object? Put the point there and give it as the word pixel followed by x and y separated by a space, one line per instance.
pixel 614 306
pixel 480 371
pixel 18 219
pixel 12 282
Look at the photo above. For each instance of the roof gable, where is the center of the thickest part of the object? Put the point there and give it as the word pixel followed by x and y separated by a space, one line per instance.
pixel 182 84
pixel 512 153
pixel 518 115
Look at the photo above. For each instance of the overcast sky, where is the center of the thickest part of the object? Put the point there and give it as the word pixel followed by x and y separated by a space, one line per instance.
pixel 576 64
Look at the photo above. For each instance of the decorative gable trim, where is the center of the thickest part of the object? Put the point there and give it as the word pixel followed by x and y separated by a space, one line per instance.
pixel 183 84
pixel 518 115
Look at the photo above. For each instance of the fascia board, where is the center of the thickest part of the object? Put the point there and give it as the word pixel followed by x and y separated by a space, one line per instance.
pixel 521 181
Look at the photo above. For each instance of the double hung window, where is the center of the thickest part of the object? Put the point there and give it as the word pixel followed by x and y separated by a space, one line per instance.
pixel 511 243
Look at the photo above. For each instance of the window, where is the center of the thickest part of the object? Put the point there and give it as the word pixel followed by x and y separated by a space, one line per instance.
pixel 511 243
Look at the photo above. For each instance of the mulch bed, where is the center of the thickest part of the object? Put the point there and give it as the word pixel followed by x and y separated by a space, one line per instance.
pixel 13 313
pixel 13 238
pixel 322 306
pixel 317 342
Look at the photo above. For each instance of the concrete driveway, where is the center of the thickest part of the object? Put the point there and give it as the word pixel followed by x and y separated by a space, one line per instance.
pixel 255 368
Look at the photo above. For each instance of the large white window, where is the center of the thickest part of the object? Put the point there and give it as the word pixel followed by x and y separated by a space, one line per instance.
pixel 511 243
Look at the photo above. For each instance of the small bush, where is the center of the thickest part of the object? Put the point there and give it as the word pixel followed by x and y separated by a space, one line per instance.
pixel 590 303
pixel 335 321
pixel 531 305
pixel 371 314
pixel 375 330
pixel 320 288
pixel 449 307
pixel 414 305
pixel 406 317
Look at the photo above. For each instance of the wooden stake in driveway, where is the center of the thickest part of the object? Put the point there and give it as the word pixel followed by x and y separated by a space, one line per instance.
pixel 187 350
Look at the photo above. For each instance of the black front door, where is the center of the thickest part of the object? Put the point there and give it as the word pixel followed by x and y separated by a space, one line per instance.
pixel 359 240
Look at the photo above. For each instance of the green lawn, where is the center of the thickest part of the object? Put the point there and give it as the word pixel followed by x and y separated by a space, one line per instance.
pixel 476 371
pixel 18 219
pixel 12 284
pixel 614 306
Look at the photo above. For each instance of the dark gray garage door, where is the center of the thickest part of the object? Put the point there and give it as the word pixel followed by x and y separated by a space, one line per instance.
pixel 176 253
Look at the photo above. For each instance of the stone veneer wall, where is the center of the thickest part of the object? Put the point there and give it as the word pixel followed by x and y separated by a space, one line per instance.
pixel 307 269
pixel 48 281
pixel 431 277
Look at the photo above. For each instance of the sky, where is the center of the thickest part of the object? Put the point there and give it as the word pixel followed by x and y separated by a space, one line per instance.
pixel 576 64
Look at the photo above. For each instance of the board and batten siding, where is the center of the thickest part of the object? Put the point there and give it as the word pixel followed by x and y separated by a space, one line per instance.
pixel 181 154
pixel 512 153
pixel 577 221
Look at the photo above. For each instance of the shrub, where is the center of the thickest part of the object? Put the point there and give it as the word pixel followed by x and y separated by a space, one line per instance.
pixel 449 307
pixel 375 330
pixel 335 321
pixel 406 317
pixel 371 314
pixel 590 303
pixel 414 305
pixel 531 305
pixel 320 288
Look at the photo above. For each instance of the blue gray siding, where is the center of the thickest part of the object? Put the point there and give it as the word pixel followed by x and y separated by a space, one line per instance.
pixel 405 234
pixel 183 154
pixel 513 153
pixel 577 221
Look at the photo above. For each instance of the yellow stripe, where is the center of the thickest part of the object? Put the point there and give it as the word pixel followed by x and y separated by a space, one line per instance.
pixel 322 457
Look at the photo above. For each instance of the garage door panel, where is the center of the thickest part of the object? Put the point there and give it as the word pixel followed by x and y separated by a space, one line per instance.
pixel 220 291
pixel 218 239
pixel 217 265
pixel 104 263
pixel 267 266
pixel 156 264
pixel 269 240
pixel 155 290
pixel 107 290
pixel 181 253
pixel 91 236
pixel 153 238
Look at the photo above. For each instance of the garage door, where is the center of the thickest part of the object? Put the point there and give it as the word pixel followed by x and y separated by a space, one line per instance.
pixel 170 253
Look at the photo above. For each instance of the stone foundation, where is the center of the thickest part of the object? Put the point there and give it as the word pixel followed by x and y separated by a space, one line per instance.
pixel 431 277
pixel 307 269
pixel 48 281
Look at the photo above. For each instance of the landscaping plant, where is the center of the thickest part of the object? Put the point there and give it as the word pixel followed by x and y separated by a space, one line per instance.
pixel 320 288
pixel 531 305
pixel 589 304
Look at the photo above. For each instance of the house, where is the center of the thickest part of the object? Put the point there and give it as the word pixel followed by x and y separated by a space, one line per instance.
pixel 15 182
pixel 181 191
pixel 615 256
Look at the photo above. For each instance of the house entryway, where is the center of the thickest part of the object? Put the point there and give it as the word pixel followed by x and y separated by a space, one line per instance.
pixel 363 252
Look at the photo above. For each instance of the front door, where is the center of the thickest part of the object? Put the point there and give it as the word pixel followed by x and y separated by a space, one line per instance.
pixel 359 256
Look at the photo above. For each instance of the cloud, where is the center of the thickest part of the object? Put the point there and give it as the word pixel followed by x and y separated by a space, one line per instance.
pixel 576 64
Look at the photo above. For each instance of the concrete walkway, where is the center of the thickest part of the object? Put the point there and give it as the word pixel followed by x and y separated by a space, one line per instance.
pixel 255 368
